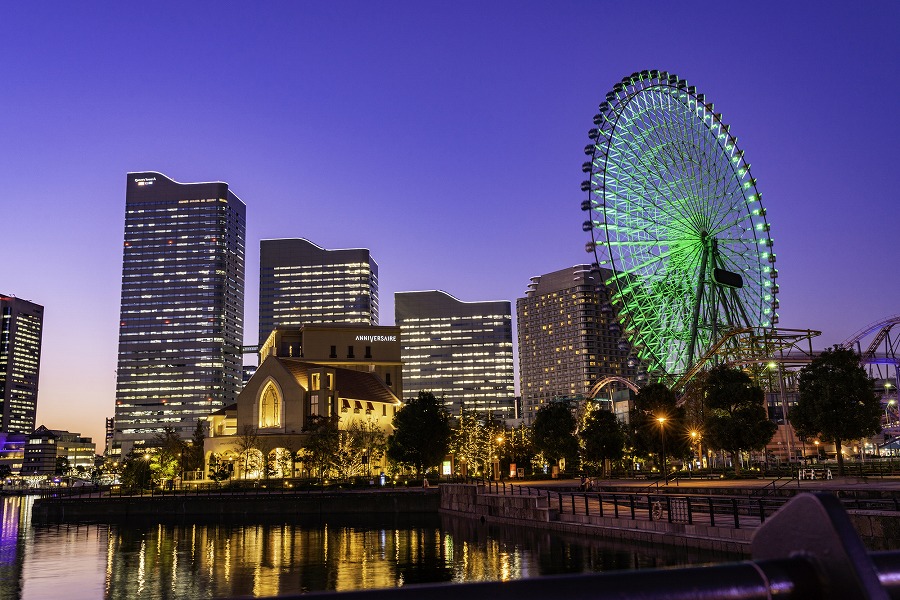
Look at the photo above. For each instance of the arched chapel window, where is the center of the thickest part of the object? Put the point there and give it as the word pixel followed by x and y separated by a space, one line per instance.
pixel 270 407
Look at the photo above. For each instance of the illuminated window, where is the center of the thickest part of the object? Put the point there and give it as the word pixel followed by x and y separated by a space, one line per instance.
pixel 270 406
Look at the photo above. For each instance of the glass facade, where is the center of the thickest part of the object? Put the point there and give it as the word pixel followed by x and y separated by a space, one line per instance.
pixel 459 351
pixel 21 325
pixel 181 321
pixel 301 283
pixel 567 337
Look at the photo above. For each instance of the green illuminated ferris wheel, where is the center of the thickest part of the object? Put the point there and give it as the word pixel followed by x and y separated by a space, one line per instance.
pixel 677 218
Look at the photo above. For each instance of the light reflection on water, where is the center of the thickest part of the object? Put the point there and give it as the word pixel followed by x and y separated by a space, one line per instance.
pixel 217 560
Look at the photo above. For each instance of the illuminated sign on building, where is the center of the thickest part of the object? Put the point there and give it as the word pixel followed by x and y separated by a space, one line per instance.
pixel 144 180
pixel 376 338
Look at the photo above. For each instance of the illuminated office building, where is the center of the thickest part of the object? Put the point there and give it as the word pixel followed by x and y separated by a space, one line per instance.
pixel 460 351
pixel 21 324
pixel 301 283
pixel 181 325
pixel 568 337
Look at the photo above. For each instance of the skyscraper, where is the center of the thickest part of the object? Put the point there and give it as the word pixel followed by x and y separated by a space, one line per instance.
pixel 460 351
pixel 301 283
pixel 568 337
pixel 181 324
pixel 21 325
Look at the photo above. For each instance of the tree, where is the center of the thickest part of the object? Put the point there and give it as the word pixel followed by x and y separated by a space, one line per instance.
pixel 5 471
pixel 193 457
pixel 472 442
pixel 837 400
pixel 554 432
pixel 649 435
pixel 62 465
pixel 519 446
pixel 322 444
pixel 136 472
pixel 247 445
pixel 603 438
pixel 421 435
pixel 736 418
pixel 368 442
pixel 167 462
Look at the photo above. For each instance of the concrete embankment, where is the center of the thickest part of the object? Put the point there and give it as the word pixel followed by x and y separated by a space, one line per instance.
pixel 235 507
pixel 879 530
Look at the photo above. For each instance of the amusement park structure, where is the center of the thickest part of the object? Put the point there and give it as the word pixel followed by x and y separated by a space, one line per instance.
pixel 676 217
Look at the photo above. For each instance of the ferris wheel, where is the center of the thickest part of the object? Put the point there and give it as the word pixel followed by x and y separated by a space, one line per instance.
pixel 677 218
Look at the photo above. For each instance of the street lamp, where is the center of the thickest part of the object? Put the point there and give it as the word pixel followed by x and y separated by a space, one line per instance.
pixel 662 435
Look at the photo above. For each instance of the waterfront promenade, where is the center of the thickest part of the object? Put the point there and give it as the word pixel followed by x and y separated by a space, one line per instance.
pixel 711 514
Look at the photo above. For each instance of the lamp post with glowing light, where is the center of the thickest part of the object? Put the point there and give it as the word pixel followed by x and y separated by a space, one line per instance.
pixel 499 473
pixel 695 436
pixel 662 435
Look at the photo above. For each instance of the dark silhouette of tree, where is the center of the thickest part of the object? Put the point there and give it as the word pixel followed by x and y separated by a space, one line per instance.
pixel 603 438
pixel 62 465
pixel 553 432
pixel 837 400
pixel 136 472
pixel 5 471
pixel 193 457
pixel 421 435
pixel 736 417
pixel 652 403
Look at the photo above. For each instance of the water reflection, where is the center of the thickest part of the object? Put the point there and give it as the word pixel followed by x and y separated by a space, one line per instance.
pixel 217 560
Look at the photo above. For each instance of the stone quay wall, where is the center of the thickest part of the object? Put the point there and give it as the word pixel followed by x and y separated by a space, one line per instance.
pixel 235 507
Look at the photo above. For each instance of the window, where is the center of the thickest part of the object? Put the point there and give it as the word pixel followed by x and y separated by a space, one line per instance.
pixel 315 382
pixel 368 351
pixel 314 404
pixel 333 352
pixel 350 352
pixel 270 406
pixel 329 377
pixel 387 378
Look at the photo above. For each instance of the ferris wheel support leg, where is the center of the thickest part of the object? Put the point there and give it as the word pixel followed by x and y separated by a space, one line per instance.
pixel 697 298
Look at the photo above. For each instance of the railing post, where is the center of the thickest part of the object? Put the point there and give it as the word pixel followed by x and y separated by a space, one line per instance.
pixel 649 508
pixel 559 497
pixel 712 512
pixel 690 512
pixel 600 501
pixel 737 518
pixel 631 497
pixel 573 504
pixel 587 511
pixel 762 512
pixel 669 507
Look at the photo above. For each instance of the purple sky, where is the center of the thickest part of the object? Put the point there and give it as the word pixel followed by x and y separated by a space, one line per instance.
pixel 445 137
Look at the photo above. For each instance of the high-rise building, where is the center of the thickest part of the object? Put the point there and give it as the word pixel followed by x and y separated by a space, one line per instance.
pixel 461 352
pixel 21 325
pixel 181 325
pixel 301 283
pixel 568 337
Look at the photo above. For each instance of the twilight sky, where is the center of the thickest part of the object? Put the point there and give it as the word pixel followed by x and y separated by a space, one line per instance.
pixel 446 137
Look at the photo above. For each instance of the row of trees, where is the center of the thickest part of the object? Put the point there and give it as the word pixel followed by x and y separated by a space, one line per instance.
pixel 722 407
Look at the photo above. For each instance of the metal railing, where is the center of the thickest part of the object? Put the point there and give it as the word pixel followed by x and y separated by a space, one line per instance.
pixel 738 512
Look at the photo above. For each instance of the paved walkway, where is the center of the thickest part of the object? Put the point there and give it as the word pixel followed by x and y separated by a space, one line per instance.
pixel 838 483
